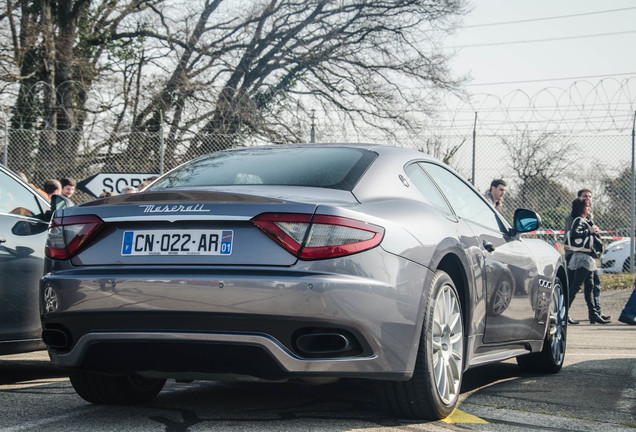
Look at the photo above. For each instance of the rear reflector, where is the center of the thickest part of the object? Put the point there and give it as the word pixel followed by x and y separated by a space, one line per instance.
pixel 319 237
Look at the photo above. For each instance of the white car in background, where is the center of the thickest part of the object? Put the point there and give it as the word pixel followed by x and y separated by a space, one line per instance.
pixel 615 258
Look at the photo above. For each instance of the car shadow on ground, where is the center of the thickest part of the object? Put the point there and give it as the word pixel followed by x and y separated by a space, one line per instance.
pixel 15 371
pixel 349 400
pixel 482 376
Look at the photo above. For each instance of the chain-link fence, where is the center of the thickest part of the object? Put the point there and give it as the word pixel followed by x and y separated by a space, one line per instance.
pixel 545 174
pixel 543 171
pixel 135 156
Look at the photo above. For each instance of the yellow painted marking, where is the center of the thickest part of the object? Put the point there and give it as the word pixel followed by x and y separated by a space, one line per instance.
pixel 458 417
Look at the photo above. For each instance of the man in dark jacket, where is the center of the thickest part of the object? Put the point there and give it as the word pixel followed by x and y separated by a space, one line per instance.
pixel 496 193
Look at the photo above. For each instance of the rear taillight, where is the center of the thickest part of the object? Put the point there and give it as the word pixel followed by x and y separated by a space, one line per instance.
pixel 68 234
pixel 319 237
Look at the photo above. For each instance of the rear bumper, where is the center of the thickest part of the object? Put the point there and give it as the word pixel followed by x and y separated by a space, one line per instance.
pixel 189 321
pixel 198 356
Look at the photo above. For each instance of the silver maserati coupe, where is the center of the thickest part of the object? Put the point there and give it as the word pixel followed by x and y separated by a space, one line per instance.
pixel 300 262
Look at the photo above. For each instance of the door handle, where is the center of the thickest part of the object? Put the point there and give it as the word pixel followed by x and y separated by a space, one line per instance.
pixel 2 239
pixel 488 246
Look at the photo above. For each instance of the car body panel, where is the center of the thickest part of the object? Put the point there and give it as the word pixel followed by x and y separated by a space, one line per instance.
pixel 509 265
pixel 313 294
pixel 165 211
pixel 23 230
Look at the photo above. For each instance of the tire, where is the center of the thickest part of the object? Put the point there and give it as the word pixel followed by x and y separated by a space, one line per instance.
pixel 115 389
pixel 434 388
pixel 626 265
pixel 551 357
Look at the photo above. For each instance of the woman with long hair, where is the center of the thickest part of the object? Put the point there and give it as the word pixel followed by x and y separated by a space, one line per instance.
pixel 583 262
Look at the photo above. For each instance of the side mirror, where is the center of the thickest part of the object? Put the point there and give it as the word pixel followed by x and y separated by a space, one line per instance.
pixel 526 221
pixel 59 202
pixel 27 228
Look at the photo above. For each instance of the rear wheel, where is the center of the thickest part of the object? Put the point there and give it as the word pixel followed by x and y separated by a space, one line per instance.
pixel 115 389
pixel 550 359
pixel 626 265
pixel 432 391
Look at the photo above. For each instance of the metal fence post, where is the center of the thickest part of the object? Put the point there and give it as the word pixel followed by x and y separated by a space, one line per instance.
pixel 5 154
pixel 472 180
pixel 632 205
pixel 312 133
pixel 162 149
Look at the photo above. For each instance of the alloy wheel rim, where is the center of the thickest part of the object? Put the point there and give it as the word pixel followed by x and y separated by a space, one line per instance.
pixel 447 344
pixel 558 319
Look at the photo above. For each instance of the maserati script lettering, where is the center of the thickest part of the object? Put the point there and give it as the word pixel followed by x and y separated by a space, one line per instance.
pixel 174 208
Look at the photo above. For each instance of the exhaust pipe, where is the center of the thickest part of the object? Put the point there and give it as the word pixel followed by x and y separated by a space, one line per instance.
pixel 323 343
pixel 58 339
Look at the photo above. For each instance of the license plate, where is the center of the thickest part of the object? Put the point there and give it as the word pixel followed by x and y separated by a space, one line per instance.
pixel 177 242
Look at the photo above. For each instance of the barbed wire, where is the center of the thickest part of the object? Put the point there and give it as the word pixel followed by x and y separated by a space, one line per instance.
pixel 604 106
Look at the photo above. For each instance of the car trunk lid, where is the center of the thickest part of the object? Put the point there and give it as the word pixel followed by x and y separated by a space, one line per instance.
pixel 185 227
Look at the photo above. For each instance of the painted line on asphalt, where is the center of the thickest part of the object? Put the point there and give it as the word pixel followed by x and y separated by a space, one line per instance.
pixel 610 355
pixel 461 417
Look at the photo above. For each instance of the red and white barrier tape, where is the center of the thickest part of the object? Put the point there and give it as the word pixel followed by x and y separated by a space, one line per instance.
pixel 550 232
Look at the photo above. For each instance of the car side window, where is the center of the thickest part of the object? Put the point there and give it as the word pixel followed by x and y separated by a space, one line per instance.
pixel 425 185
pixel 466 203
pixel 17 199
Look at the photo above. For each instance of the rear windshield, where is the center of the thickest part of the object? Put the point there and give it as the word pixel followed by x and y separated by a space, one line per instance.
pixel 325 167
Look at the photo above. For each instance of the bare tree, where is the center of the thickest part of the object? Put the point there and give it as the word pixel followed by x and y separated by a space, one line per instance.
pixel 257 68
pixel 59 48
pixel 538 155
pixel 539 160
pixel 437 148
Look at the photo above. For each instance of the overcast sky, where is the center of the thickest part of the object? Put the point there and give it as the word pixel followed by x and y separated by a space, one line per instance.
pixel 572 61
pixel 534 44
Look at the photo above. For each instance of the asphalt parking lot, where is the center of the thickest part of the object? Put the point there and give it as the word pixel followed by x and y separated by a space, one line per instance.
pixel 595 391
